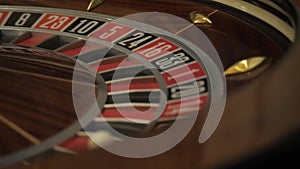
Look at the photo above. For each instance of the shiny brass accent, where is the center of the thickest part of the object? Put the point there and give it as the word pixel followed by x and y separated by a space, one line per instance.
pixel 91 145
pixel 198 18
pixel 93 4
pixel 248 68
pixel 99 138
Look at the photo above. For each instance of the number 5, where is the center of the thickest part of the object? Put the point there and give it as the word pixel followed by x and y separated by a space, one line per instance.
pixel 112 32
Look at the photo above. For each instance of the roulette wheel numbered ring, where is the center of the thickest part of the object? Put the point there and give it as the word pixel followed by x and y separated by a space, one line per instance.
pixel 275 43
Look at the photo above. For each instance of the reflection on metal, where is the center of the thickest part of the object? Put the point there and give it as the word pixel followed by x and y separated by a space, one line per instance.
pixel 64 150
pixel 199 19
pixel 93 4
pixel 248 68
pixel 265 15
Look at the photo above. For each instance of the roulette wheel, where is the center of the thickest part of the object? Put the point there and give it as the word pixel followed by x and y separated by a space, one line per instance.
pixel 41 48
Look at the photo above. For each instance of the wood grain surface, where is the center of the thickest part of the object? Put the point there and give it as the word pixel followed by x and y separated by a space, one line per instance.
pixel 257 115
pixel 25 99
pixel 36 97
